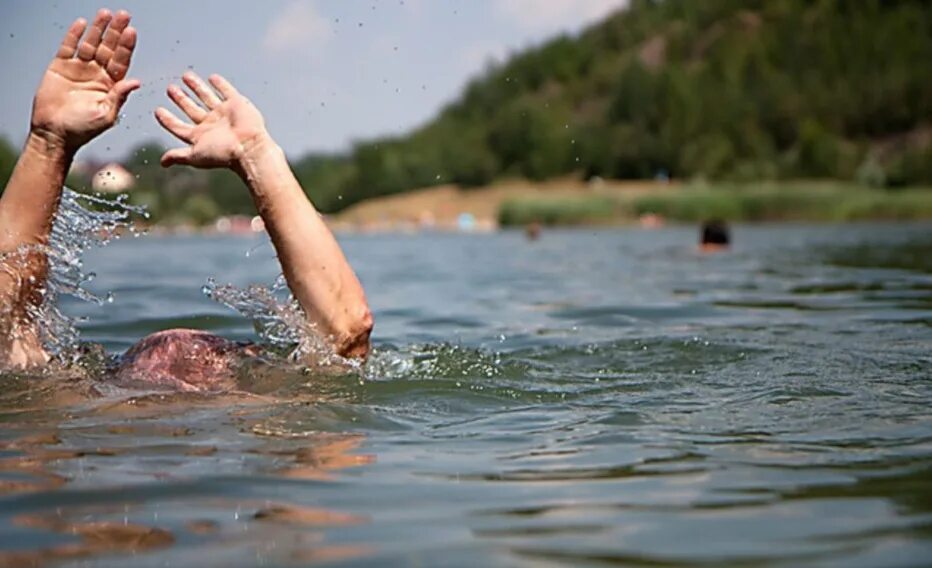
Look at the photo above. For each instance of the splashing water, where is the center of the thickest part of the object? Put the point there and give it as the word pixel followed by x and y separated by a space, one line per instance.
pixel 278 319
pixel 83 221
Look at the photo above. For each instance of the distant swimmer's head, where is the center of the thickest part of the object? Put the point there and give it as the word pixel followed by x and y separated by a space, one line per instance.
pixel 714 236
pixel 181 359
pixel 532 231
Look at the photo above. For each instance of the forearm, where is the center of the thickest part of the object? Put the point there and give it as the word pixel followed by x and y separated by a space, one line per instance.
pixel 314 266
pixel 27 210
pixel 31 197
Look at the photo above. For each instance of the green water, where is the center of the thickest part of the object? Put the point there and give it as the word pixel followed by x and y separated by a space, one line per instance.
pixel 593 398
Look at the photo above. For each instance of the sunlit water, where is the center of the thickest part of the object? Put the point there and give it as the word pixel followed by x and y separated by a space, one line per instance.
pixel 597 397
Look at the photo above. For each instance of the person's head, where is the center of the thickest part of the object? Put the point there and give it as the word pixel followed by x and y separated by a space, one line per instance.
pixel 181 359
pixel 714 235
pixel 532 231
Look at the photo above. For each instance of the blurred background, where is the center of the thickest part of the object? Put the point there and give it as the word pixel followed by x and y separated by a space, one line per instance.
pixel 455 114
pixel 600 396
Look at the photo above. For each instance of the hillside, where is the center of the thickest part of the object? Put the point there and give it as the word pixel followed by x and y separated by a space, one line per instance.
pixel 721 89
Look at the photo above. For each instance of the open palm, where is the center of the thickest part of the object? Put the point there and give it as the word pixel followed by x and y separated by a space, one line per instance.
pixel 85 86
pixel 223 128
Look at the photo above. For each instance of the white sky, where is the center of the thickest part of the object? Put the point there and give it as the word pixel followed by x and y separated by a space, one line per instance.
pixel 324 72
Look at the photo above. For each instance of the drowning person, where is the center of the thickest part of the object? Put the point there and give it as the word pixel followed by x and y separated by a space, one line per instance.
pixel 80 97
pixel 714 236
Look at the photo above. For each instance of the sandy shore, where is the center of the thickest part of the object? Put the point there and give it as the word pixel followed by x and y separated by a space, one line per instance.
pixel 443 207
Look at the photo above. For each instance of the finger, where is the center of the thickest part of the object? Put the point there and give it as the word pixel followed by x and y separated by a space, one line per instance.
pixel 186 104
pixel 223 86
pixel 88 47
pixel 120 92
pixel 69 45
pixel 111 37
pixel 173 124
pixel 200 88
pixel 119 63
pixel 177 156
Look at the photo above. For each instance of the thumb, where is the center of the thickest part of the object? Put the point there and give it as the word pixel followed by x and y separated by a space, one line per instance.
pixel 177 156
pixel 122 89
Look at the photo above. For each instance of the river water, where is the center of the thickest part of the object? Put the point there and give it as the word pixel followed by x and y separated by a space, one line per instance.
pixel 597 397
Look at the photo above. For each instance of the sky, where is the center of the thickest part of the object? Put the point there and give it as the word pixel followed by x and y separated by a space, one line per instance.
pixel 325 73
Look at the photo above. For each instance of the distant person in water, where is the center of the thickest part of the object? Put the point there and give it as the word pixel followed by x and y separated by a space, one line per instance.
pixel 714 236
pixel 79 98
pixel 532 231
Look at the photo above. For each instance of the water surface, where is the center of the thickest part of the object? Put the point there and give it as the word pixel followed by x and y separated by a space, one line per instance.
pixel 598 397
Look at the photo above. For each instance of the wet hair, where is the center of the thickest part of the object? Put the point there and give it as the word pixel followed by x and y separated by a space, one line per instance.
pixel 715 232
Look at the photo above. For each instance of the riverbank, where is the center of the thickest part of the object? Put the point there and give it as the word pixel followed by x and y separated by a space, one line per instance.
pixel 574 202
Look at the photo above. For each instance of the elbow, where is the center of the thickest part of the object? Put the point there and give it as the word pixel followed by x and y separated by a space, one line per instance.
pixel 354 343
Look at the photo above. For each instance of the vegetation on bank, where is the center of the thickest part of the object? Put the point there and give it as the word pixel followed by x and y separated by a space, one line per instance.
pixel 7 161
pixel 731 91
pixel 798 201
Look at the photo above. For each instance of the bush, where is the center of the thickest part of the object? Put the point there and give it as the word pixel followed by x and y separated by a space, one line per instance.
pixel 557 210
pixel 8 158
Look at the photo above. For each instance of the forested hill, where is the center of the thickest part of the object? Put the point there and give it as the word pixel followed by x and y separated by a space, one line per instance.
pixel 716 88
pixel 720 89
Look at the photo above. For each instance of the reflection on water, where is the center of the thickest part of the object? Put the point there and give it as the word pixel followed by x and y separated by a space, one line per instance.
pixel 154 458
pixel 591 398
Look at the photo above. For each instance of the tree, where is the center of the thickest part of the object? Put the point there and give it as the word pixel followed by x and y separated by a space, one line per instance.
pixel 8 158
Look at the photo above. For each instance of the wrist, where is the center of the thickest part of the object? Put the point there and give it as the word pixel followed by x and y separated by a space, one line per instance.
pixel 253 153
pixel 50 145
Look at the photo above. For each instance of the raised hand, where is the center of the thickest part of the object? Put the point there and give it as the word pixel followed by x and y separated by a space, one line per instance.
pixel 228 131
pixel 224 129
pixel 85 86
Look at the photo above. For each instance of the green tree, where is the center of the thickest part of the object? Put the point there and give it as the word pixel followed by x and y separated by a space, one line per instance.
pixel 8 157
